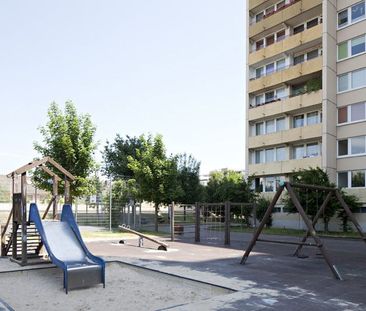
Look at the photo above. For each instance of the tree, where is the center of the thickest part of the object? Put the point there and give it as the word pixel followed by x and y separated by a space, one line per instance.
pixel 155 173
pixel 228 186
pixel 353 203
pixel 116 154
pixel 188 179
pixel 68 138
pixel 262 206
pixel 311 200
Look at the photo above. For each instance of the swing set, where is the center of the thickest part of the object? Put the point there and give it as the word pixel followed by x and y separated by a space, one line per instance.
pixel 331 192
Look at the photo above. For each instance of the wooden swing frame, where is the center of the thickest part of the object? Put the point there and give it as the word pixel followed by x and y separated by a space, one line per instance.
pixel 309 224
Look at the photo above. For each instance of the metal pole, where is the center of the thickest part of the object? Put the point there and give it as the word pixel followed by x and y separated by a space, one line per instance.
pixel 110 205
pixel 197 237
pixel 172 222
pixel 227 223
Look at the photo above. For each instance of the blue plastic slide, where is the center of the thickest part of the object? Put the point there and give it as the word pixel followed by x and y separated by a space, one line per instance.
pixel 67 250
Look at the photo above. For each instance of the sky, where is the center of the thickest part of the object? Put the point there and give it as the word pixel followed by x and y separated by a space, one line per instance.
pixel 173 67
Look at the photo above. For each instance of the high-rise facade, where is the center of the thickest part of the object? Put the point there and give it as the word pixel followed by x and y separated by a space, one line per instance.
pixel 306 83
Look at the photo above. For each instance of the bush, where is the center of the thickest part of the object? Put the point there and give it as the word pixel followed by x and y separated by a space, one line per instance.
pixel 262 205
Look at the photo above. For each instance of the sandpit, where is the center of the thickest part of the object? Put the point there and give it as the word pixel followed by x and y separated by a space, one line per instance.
pixel 128 288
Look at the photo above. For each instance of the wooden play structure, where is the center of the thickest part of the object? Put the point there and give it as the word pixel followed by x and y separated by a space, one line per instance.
pixel 331 192
pixel 162 246
pixel 23 241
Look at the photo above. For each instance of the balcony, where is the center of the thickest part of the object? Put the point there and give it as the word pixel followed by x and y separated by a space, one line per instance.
pixel 278 17
pixel 285 137
pixel 286 75
pixel 283 167
pixel 287 44
pixel 286 106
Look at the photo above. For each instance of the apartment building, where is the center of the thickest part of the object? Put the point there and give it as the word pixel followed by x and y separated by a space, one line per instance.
pixel 306 83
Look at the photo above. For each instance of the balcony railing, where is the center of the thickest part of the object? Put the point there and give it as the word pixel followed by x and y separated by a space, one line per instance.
pixel 281 69
pixel 275 11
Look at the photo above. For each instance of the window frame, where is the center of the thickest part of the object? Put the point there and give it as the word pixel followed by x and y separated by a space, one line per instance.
pixel 349 16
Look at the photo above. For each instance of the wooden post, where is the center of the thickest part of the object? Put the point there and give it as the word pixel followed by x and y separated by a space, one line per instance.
pixel 67 191
pixel 312 231
pixel 227 223
pixel 172 222
pixel 350 214
pixel 54 194
pixel 262 224
pixel 24 217
pixel 197 235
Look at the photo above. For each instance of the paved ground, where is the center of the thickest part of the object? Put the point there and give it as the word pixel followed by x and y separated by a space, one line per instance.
pixel 272 279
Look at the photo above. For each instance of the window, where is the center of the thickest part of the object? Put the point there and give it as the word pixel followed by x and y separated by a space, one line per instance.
pixel 281 64
pixel 270 10
pixel 298 121
pixel 298 152
pixel 281 93
pixel 270 40
pixel 281 154
pixel 343 82
pixel 259 72
pixel 259 45
pixel 358 11
pixel 312 150
pixel 258 184
pixel 270 126
pixel 270 68
pixel 357 112
pixel 269 184
pixel 358 179
pixel 343 18
pixel 298 89
pixel 299 29
pixel 259 129
pixel 358 45
pixel 299 59
pixel 270 155
pixel 280 5
pixel 357 145
pixel 312 54
pixel 343 179
pixel 281 35
pixel 358 78
pixel 259 156
pixel 259 17
pixel 342 115
pixel 343 50
pixel 280 124
pixel 270 96
pixel 342 147
pixel 259 100
pixel 312 118
pixel 312 23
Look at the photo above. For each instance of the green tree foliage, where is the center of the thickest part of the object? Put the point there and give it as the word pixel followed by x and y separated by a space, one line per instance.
pixel 68 138
pixel 228 186
pixel 189 179
pixel 155 173
pixel 353 203
pixel 311 200
pixel 116 154
pixel 262 205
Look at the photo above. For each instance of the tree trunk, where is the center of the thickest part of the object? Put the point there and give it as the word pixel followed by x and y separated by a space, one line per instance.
pixel 156 217
pixel 326 225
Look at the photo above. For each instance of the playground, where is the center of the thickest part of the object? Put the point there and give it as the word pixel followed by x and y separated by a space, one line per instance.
pixel 54 264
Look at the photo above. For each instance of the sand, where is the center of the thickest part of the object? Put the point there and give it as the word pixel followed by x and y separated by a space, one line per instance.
pixel 127 288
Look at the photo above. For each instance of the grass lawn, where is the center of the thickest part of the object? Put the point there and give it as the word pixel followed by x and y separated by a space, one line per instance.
pixel 294 232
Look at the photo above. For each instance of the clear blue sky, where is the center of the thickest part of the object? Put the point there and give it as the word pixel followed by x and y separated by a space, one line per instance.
pixel 174 67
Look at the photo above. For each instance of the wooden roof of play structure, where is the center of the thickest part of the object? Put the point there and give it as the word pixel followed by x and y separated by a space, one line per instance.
pixel 42 165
